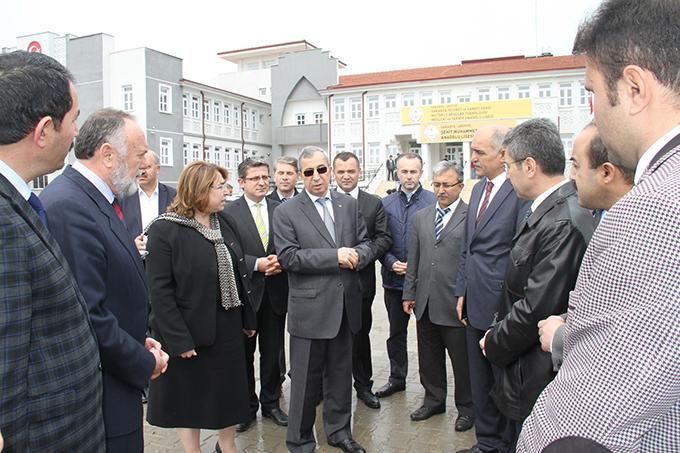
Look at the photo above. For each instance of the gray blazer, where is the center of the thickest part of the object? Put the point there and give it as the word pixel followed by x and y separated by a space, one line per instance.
pixel 319 290
pixel 433 264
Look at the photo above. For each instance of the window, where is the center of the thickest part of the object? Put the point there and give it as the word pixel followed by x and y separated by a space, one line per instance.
pixel 503 93
pixel 237 116
pixel 300 119
pixel 339 149
pixel 227 113
pixel 464 98
pixel 544 90
pixel 194 107
pixel 355 108
pixel 318 117
pixel 523 92
pixel 40 182
pixel 268 63
pixel 227 157
pixel 196 152
pixel 483 94
pixel 217 111
pixel 263 91
pixel 253 118
pixel 207 154
pixel 426 98
pixel 373 106
pixel 374 154
pixel 583 94
pixel 339 109
pixel 206 109
pixel 408 100
pixel 127 98
pixel 185 105
pixel 185 154
pixel 390 101
pixel 166 152
pixel 358 150
pixel 164 98
pixel 252 66
pixel 565 94
pixel 246 120
pixel 454 153
pixel 445 97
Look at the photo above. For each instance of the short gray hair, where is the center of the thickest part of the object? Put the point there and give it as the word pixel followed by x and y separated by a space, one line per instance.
pixel 446 165
pixel 539 139
pixel 156 158
pixel 289 160
pixel 309 151
pixel 103 126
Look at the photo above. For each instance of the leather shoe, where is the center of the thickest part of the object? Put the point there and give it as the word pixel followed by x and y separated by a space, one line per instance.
pixel 389 389
pixel 464 422
pixel 277 416
pixel 424 412
pixel 474 449
pixel 369 398
pixel 348 445
pixel 243 427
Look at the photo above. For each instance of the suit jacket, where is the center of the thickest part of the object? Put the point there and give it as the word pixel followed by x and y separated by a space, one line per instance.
pixel 429 280
pixel 544 262
pixel 371 209
pixel 50 374
pixel 619 382
pixel 132 212
pixel 275 195
pixel 276 287
pixel 182 270
pixel 319 290
pixel 485 253
pixel 110 275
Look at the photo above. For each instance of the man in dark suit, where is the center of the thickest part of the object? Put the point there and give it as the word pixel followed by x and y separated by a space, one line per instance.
pixel 321 242
pixel 86 219
pixel 285 178
pixel 493 215
pixel 390 166
pixel 544 262
pixel 152 197
pixel 346 171
pixel 429 287
pixel 50 372
pixel 253 215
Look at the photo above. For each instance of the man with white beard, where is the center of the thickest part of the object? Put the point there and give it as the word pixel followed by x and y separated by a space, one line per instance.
pixel 87 222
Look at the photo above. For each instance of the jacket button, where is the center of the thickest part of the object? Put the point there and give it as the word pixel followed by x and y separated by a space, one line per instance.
pixel 240 259
pixel 339 285
pixel 99 366
pixel 245 275
pixel 248 292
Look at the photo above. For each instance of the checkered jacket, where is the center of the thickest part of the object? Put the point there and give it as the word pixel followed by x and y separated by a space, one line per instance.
pixel 620 381
pixel 50 379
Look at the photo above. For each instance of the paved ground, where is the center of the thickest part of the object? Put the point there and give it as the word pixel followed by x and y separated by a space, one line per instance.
pixel 386 430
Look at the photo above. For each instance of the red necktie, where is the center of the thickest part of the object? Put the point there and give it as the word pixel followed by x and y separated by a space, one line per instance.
pixel 119 211
pixel 485 202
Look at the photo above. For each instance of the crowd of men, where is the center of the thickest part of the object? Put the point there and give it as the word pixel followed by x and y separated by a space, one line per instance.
pixel 557 300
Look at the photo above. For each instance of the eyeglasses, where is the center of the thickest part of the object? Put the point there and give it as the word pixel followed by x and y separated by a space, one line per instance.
pixel 321 169
pixel 219 187
pixel 445 185
pixel 506 165
pixel 264 178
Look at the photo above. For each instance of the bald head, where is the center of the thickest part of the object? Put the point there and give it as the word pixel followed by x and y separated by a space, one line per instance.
pixel 485 147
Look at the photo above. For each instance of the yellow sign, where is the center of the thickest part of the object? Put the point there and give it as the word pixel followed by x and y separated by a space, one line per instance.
pixel 467 111
pixel 459 131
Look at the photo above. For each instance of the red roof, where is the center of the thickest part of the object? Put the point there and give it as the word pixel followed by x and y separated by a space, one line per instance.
pixel 469 68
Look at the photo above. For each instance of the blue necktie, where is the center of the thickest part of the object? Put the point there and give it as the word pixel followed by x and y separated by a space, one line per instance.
pixel 37 206
pixel 439 222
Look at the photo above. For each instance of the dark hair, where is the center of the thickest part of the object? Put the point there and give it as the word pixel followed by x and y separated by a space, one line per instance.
pixel 32 86
pixel 645 33
pixel 250 163
pixel 409 155
pixel 103 126
pixel 598 155
pixel 309 151
pixel 345 156
pixel 537 138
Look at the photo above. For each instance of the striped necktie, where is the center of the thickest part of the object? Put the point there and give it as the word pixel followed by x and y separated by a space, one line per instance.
pixel 439 222
pixel 261 228
pixel 327 219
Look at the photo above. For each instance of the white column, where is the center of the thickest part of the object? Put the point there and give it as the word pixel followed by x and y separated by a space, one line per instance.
pixel 426 154
pixel 466 160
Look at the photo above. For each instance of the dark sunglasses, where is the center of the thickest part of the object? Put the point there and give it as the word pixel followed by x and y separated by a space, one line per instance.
pixel 321 169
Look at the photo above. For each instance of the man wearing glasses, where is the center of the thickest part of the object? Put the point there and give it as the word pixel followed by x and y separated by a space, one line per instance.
pixel 253 215
pixel 322 242
pixel 433 251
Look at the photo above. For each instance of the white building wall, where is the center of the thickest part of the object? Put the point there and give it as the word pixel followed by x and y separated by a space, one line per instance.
pixel 248 83
pixel 128 67
pixel 307 108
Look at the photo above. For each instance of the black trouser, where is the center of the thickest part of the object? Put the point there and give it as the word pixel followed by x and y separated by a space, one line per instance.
pixel 362 367
pixel 433 341
pixel 270 334
pixel 396 342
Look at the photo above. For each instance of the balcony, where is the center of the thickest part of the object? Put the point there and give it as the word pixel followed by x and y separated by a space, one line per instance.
pixel 308 134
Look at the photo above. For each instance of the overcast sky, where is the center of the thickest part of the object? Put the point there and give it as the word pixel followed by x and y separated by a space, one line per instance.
pixel 367 35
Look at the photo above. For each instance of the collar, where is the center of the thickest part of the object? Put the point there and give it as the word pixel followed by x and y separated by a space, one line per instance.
pixel 314 197
pixel 252 203
pixel 141 191
pixel 409 195
pixel 354 193
pixel 452 206
pixel 13 177
pixel 541 198
pixel 95 180
pixel 647 157
pixel 499 180
pixel 282 196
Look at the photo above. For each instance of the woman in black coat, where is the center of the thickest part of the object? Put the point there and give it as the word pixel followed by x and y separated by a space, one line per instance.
pixel 200 310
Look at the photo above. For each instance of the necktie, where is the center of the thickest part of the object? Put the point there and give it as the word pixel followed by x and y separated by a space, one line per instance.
pixel 284 199
pixel 261 228
pixel 528 214
pixel 439 222
pixel 485 202
pixel 37 206
pixel 327 219
pixel 116 206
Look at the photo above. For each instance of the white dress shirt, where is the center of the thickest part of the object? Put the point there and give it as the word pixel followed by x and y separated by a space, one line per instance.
pixel 148 205
pixel 452 207
pixel 19 184
pixel 98 182
pixel 263 210
pixel 319 208
pixel 497 183
pixel 354 193
pixel 541 198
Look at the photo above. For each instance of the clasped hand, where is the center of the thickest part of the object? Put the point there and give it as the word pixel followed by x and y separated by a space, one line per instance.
pixel 348 258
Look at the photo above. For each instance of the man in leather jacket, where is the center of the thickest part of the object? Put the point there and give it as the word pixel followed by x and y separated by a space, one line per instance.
pixel 544 262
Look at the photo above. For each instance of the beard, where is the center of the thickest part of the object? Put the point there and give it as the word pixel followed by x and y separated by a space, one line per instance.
pixel 123 185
